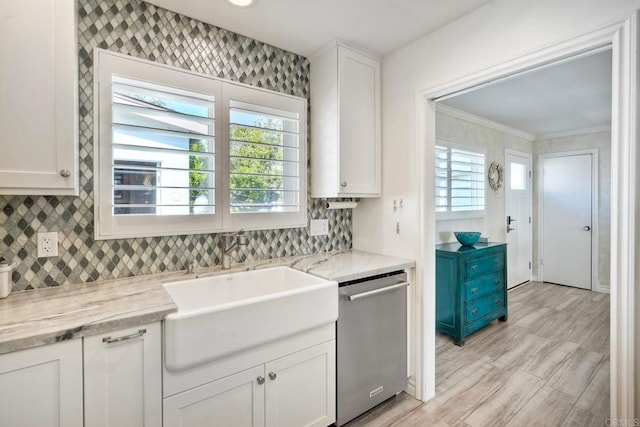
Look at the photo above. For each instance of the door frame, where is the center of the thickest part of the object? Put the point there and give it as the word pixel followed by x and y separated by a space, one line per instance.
pixel 595 282
pixel 510 151
pixel 625 232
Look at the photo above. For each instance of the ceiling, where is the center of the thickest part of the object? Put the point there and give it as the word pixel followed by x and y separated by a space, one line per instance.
pixel 569 96
pixel 303 26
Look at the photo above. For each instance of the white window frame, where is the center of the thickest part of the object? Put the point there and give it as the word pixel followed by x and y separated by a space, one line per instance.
pixel 109 226
pixel 449 215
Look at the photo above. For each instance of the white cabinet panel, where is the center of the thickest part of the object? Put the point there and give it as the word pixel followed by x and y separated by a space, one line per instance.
pixel 301 388
pixel 38 97
pixel 345 123
pixel 123 384
pixel 233 401
pixel 42 386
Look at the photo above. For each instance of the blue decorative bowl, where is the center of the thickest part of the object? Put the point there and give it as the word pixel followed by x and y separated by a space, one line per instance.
pixel 467 238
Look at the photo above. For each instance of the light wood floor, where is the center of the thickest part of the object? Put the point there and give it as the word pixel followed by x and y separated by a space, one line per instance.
pixel 547 366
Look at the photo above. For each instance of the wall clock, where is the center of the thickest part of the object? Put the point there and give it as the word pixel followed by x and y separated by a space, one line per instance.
pixel 495 176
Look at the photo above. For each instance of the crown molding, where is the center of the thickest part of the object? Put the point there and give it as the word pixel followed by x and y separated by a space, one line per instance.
pixel 463 115
pixel 574 132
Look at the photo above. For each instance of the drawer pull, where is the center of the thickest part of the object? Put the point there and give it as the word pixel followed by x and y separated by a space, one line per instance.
pixel 474 290
pixel 110 340
pixel 474 311
pixel 474 267
pixel 260 380
pixel 497 282
pixel 498 301
pixel 272 375
pixel 497 260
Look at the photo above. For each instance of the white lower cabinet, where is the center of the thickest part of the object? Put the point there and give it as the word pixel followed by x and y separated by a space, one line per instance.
pixel 42 386
pixel 236 400
pixel 123 378
pixel 301 388
pixel 292 391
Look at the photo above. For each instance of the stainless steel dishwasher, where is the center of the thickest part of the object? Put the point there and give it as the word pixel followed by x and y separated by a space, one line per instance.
pixel 371 343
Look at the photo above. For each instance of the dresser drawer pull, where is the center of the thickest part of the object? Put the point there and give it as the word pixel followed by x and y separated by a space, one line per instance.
pixel 497 282
pixel 474 290
pixel 474 267
pixel 498 301
pixel 110 340
pixel 497 260
pixel 474 311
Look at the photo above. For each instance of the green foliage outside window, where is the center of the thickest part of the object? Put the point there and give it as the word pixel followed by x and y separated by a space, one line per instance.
pixel 254 181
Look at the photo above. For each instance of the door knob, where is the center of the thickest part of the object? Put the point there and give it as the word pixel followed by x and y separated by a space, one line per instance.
pixel 510 220
pixel 586 228
pixel 510 228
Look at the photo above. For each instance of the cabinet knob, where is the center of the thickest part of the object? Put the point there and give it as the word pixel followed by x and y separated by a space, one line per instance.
pixel 343 184
pixel 474 311
pixel 474 290
pixel 65 173
pixel 272 375
pixel 474 267
pixel 260 380
pixel 498 302
pixel 497 282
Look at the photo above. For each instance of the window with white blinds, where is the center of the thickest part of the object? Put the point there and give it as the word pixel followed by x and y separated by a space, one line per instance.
pixel 179 152
pixel 264 159
pixel 163 150
pixel 459 180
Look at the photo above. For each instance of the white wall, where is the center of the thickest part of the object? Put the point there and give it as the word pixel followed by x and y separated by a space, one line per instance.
pixel 465 132
pixel 602 142
pixel 501 31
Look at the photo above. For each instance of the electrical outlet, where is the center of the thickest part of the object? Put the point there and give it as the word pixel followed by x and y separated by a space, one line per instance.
pixel 319 227
pixel 47 244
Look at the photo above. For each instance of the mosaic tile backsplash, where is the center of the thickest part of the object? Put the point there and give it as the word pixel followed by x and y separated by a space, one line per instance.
pixel 142 30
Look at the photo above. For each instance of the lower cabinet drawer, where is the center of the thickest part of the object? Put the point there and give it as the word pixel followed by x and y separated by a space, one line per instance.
pixel 484 307
pixel 485 285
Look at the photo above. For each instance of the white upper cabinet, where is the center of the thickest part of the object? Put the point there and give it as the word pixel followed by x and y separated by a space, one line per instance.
pixel 345 123
pixel 38 97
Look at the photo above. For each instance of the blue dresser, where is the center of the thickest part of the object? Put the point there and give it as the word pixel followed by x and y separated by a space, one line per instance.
pixel 471 287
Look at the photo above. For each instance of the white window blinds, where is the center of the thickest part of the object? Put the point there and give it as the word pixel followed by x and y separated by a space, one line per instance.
pixel 264 159
pixel 179 152
pixel 163 150
pixel 459 181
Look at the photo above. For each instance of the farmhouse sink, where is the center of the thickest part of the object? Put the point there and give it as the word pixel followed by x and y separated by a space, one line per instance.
pixel 219 316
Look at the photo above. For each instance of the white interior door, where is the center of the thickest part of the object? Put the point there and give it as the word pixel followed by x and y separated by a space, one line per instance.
pixel 567 197
pixel 518 195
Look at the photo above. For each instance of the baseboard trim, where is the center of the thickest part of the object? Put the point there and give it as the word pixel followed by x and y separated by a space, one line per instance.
pixel 601 288
pixel 411 387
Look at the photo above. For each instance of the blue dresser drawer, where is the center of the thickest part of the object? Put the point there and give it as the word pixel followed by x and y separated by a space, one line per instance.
pixel 484 307
pixel 484 285
pixel 480 266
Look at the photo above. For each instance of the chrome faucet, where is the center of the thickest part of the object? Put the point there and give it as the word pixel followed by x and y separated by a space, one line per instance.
pixel 229 242
pixel 191 266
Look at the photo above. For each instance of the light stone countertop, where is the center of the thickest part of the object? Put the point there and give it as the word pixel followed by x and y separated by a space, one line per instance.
pixel 48 315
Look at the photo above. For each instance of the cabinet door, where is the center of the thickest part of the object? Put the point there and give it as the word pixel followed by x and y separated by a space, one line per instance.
pixel 42 386
pixel 233 401
pixel 38 97
pixel 122 372
pixel 359 118
pixel 301 388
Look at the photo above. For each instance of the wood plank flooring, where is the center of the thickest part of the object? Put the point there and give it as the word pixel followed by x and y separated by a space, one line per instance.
pixel 547 366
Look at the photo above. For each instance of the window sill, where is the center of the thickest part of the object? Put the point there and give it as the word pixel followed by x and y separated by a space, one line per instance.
pixel 452 216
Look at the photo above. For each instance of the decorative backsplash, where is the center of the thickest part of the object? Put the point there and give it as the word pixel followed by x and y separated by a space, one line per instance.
pixel 142 30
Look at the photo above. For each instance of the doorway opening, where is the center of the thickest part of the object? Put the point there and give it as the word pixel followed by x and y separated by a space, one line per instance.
pixel 496 117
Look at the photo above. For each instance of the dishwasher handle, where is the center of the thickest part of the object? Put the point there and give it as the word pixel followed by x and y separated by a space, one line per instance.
pixel 377 291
